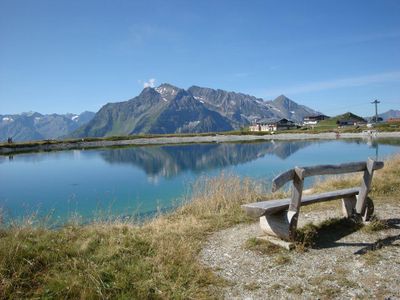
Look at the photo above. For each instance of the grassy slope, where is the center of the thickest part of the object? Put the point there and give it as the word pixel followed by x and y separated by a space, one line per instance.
pixel 153 260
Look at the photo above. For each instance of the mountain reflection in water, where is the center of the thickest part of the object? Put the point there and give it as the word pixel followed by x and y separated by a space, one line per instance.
pixel 169 161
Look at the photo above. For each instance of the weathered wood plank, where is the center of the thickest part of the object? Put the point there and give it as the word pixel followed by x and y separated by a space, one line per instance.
pixel 297 190
pixel 281 179
pixel 328 196
pixel 339 169
pixel 277 241
pixel 270 207
pixel 287 176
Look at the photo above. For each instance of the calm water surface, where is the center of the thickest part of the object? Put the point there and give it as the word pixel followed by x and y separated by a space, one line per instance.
pixel 140 180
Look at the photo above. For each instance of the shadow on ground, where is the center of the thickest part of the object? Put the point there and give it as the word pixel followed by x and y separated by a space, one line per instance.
pixel 380 243
pixel 327 235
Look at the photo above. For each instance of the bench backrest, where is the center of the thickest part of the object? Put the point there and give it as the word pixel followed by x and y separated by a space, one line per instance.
pixel 298 174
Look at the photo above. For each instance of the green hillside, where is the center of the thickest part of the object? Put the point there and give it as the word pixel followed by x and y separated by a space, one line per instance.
pixel 332 122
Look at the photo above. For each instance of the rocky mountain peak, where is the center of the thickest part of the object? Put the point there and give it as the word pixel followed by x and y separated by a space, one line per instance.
pixel 148 91
pixel 32 114
pixel 167 91
pixel 287 108
pixel 283 100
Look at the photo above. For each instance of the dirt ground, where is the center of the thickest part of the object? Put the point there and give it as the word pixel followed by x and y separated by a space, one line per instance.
pixel 357 265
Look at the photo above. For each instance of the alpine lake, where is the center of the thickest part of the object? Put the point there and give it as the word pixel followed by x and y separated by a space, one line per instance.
pixel 140 181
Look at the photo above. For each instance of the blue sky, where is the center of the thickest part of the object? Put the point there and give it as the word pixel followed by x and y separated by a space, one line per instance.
pixel 70 56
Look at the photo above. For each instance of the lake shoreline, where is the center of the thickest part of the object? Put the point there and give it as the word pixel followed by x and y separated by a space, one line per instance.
pixel 216 138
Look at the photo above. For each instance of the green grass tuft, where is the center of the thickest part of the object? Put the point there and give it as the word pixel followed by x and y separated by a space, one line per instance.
pixel 375 225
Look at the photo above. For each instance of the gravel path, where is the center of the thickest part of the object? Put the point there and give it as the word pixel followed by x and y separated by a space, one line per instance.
pixel 333 272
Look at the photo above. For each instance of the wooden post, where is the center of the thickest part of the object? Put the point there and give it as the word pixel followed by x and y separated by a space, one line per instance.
pixel 369 210
pixel 295 203
pixel 365 187
pixel 348 206
pixel 297 190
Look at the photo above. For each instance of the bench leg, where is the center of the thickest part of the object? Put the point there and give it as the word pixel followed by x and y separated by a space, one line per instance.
pixel 282 225
pixel 369 209
pixel 349 206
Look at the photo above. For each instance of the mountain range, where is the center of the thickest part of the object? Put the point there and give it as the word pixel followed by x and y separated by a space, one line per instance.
pixel 390 114
pixel 163 109
pixel 169 109
pixel 35 126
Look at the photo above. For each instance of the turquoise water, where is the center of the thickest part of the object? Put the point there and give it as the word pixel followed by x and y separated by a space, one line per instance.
pixel 142 180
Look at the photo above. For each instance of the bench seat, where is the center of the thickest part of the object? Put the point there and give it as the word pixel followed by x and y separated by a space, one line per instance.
pixel 270 207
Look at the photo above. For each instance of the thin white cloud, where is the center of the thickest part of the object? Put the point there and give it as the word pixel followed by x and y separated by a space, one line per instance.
pixel 335 84
pixel 150 83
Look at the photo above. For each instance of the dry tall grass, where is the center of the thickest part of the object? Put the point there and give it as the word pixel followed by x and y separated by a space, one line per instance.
pixel 121 259
pixel 155 260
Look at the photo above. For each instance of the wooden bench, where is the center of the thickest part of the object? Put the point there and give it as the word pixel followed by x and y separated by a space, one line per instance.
pixel 278 218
